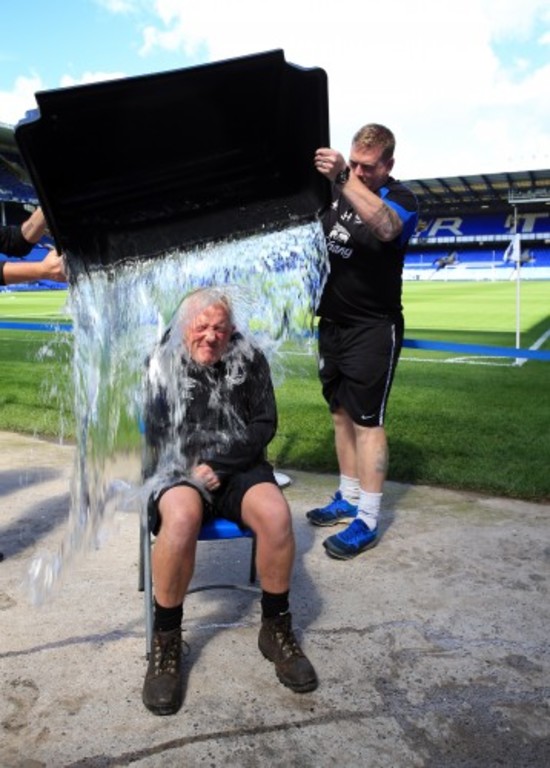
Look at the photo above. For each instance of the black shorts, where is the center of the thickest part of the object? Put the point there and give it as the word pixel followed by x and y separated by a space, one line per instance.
pixel 357 365
pixel 226 502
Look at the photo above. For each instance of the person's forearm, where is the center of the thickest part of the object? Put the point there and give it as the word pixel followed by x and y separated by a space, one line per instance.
pixel 22 272
pixel 379 217
pixel 34 227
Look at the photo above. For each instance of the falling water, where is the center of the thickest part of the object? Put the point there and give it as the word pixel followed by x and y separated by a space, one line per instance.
pixel 119 315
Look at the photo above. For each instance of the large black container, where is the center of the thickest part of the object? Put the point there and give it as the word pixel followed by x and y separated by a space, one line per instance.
pixel 132 168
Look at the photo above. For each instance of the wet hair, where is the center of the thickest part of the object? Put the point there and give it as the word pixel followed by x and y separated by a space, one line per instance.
pixel 376 135
pixel 201 298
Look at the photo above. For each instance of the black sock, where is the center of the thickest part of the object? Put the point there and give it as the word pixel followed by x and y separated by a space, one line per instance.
pixel 167 619
pixel 274 605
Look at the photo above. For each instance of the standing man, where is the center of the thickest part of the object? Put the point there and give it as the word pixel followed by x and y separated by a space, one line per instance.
pixel 210 413
pixel 367 228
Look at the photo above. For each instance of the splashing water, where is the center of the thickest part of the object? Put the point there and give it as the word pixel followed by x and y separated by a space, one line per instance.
pixel 274 281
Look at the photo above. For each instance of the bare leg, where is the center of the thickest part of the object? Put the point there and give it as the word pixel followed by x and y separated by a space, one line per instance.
pixel 372 457
pixel 175 546
pixel 266 512
pixel 361 451
pixel 173 563
pixel 345 443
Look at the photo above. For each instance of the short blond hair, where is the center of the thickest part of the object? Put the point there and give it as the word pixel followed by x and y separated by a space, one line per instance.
pixel 378 136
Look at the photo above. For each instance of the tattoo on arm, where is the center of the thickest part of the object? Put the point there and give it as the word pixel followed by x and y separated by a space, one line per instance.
pixel 386 224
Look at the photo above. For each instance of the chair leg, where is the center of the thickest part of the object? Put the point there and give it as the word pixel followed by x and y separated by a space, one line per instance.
pixel 146 581
pixel 253 561
pixel 140 565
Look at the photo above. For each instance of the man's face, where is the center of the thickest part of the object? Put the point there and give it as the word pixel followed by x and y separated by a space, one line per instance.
pixel 367 165
pixel 207 334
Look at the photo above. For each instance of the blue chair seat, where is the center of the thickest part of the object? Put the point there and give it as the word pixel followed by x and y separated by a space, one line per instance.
pixel 220 528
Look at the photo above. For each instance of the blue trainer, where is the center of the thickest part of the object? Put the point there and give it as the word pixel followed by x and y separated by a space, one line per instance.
pixel 357 538
pixel 338 511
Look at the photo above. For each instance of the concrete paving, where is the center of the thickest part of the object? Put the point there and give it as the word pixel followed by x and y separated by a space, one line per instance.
pixel 431 649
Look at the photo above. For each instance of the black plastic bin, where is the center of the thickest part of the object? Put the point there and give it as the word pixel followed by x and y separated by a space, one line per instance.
pixel 133 168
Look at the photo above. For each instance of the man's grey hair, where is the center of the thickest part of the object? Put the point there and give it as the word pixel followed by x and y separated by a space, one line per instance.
pixel 201 298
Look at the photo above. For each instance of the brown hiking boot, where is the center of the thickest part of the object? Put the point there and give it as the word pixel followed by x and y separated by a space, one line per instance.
pixel 162 689
pixel 279 645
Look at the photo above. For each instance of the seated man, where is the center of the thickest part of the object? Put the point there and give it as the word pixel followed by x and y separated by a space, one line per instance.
pixel 209 415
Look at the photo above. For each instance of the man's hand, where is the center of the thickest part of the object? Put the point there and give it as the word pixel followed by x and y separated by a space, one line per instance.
pixel 206 476
pixel 53 267
pixel 50 268
pixel 329 162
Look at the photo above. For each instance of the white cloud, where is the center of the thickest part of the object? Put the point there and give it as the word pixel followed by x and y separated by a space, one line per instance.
pixel 17 102
pixel 21 99
pixel 431 71
pixel 427 70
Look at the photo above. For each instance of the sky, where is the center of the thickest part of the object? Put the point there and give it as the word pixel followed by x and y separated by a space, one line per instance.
pixel 465 86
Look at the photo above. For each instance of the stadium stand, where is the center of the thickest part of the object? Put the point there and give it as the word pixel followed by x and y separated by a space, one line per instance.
pixel 15 186
pixel 467 225
pixel 465 231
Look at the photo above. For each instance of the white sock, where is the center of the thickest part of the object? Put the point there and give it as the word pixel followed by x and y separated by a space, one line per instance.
pixel 349 488
pixel 369 508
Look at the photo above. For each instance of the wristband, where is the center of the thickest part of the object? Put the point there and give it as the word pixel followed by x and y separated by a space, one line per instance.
pixel 342 177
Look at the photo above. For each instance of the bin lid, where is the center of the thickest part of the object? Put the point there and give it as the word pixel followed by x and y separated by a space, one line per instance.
pixel 136 167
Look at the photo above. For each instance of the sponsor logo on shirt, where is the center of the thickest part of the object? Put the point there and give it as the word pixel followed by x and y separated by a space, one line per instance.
pixel 337 241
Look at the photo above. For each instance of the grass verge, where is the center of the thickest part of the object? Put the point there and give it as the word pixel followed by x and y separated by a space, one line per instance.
pixel 463 425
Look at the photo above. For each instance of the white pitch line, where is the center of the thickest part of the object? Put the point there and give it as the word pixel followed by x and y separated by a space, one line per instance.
pixel 472 360
pixel 536 345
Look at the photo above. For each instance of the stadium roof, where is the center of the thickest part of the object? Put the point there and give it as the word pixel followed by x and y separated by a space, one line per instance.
pixel 490 191
pixel 15 185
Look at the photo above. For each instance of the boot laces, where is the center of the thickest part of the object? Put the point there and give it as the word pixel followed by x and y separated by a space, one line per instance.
pixel 286 640
pixel 166 653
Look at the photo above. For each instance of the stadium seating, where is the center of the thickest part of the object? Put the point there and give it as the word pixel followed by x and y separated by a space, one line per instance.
pixel 12 189
pixel 471 246
pixel 449 245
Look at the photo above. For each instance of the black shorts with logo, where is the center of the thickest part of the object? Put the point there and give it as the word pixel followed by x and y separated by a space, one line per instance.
pixel 356 366
pixel 226 502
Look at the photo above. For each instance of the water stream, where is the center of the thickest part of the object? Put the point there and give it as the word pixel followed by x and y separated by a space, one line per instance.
pixel 118 316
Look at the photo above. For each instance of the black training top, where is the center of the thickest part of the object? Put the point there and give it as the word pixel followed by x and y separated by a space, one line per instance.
pixel 12 242
pixel 365 279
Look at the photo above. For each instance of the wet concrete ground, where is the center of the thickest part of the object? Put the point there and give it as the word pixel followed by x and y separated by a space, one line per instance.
pixel 431 649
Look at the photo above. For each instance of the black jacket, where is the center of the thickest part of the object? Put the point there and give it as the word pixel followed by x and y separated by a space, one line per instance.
pixel 12 242
pixel 222 415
